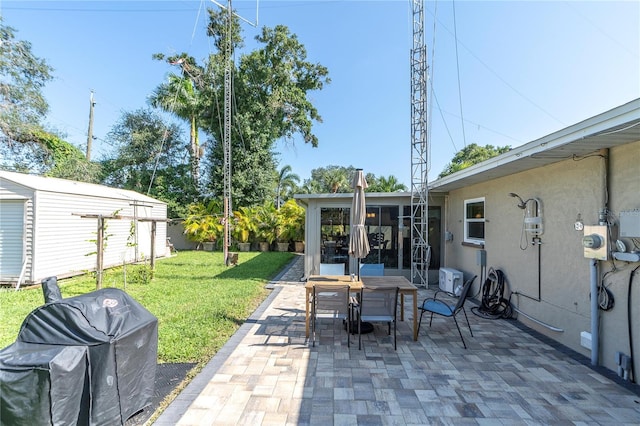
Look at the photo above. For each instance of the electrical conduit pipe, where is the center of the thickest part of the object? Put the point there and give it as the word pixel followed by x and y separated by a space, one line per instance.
pixel 595 341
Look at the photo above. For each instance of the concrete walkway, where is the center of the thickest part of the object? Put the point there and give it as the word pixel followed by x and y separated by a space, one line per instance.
pixel 268 374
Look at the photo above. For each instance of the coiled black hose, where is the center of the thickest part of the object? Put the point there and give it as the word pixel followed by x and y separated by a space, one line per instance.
pixel 493 305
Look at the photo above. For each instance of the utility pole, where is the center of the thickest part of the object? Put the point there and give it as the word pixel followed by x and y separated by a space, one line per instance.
pixel 92 104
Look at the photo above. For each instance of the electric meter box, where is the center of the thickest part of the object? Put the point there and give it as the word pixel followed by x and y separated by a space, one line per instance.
pixel 630 223
pixel 450 279
pixel 595 242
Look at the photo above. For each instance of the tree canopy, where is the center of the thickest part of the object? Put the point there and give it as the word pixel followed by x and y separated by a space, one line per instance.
pixel 22 104
pixel 386 184
pixel 336 179
pixel 22 77
pixel 150 150
pixel 470 155
pixel 270 102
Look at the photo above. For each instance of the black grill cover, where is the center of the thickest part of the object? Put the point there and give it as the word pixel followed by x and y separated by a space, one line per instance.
pixel 122 340
pixel 43 385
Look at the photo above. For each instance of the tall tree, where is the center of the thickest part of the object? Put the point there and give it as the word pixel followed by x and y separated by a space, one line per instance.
pixel 287 182
pixel 151 158
pixel 470 155
pixel 181 96
pixel 270 101
pixel 22 104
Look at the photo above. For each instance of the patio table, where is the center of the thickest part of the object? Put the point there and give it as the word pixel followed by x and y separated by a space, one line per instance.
pixel 404 288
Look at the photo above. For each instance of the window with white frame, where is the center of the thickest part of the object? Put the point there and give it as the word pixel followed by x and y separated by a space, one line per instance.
pixel 474 221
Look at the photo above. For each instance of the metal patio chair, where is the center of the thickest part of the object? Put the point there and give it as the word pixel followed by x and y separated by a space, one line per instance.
pixel 332 269
pixel 377 304
pixel 331 301
pixel 433 305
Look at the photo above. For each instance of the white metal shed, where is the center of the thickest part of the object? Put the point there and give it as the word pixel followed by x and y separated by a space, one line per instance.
pixel 48 227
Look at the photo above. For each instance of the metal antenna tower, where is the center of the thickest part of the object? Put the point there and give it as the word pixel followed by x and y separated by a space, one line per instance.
pixel 420 250
pixel 226 139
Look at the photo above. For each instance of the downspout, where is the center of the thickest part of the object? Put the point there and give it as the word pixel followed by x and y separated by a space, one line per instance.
pixel 445 226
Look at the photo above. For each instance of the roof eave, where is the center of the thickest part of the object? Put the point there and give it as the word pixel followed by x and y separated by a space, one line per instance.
pixel 623 121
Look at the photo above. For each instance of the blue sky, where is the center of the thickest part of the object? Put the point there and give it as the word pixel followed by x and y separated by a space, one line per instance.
pixel 520 70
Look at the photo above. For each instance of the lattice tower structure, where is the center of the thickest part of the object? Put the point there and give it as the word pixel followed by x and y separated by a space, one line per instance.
pixel 227 139
pixel 420 250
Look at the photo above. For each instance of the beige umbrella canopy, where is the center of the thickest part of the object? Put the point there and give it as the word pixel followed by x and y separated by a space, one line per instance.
pixel 358 241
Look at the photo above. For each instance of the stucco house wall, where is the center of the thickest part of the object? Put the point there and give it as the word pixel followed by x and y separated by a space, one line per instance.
pixel 570 190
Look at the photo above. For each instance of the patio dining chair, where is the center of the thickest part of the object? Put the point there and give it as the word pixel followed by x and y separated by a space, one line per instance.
pixel 332 269
pixel 377 304
pixel 433 305
pixel 332 302
pixel 372 270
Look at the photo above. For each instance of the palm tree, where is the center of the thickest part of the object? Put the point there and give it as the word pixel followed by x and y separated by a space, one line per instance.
pixel 180 97
pixel 310 187
pixel 336 180
pixel 390 184
pixel 287 182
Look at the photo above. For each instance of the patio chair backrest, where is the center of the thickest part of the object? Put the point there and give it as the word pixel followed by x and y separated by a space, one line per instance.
pixel 331 301
pixel 464 293
pixel 332 269
pixel 379 303
pixel 372 270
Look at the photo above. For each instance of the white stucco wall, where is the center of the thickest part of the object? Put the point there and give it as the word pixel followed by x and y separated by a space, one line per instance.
pixel 567 189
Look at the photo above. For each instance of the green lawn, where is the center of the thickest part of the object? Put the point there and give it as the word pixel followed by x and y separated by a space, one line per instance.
pixel 198 301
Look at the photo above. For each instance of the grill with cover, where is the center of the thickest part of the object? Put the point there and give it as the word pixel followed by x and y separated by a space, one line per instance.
pixel 121 340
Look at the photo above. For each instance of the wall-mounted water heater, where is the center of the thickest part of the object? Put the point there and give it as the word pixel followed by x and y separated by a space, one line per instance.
pixel 532 222
pixel 595 242
pixel 533 217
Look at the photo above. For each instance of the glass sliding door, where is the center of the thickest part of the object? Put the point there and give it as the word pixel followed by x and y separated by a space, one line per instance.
pixel 434 236
pixel 334 232
pixel 382 229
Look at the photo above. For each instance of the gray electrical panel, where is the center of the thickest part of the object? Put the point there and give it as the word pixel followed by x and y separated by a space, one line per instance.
pixel 481 257
pixel 630 223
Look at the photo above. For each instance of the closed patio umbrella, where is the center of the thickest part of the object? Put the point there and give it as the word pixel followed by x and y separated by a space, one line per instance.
pixel 358 241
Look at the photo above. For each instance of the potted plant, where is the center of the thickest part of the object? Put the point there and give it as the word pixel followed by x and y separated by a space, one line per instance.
pixel 243 228
pixel 266 225
pixel 282 240
pixel 203 224
pixel 292 224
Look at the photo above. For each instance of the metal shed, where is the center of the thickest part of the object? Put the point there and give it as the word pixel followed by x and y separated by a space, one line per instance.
pixel 48 227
